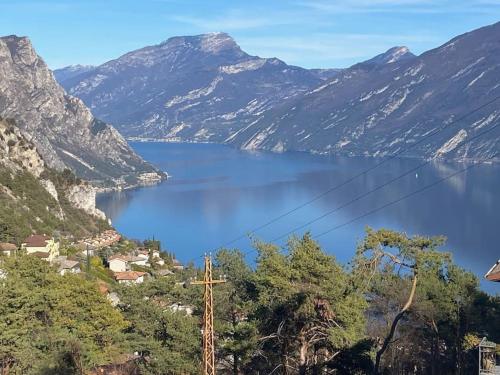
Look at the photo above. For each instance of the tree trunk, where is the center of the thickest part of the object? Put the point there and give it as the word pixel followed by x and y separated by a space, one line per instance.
pixel 395 322
pixel 235 365
pixel 303 355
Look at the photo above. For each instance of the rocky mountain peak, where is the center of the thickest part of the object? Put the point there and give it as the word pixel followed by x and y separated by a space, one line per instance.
pixel 61 127
pixel 392 55
pixel 20 49
pixel 212 43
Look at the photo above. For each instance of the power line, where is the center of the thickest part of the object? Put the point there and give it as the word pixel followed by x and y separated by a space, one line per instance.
pixel 415 192
pixel 361 196
pixel 349 180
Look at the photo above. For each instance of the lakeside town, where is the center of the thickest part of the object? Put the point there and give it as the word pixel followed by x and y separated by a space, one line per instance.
pixel 124 261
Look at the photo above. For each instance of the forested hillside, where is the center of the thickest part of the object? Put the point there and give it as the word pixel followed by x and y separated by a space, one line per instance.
pixel 299 311
pixel 37 199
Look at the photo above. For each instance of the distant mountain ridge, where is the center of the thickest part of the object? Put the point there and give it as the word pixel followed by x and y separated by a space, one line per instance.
pixel 63 129
pixel 71 71
pixel 199 88
pixel 206 89
pixel 377 110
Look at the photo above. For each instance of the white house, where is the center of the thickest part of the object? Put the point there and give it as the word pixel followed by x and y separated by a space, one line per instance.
pixel 140 261
pixel 122 263
pixel 38 244
pixel 160 262
pixel 118 263
pixel 130 277
pixel 68 265
pixel 176 307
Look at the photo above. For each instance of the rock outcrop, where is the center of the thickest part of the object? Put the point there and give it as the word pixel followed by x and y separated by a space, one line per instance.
pixel 19 155
pixel 64 131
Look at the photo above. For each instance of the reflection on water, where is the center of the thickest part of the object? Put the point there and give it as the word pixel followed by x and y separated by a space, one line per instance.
pixel 218 193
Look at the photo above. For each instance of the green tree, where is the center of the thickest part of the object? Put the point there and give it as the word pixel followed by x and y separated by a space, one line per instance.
pixel 310 314
pixel 47 318
pixel 168 342
pixel 237 335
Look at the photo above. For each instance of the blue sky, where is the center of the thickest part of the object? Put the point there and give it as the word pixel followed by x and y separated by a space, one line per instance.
pixel 315 33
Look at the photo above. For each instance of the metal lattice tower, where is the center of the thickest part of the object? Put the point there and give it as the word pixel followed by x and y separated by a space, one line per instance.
pixel 208 318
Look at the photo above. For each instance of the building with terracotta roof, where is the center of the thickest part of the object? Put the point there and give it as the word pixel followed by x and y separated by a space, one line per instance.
pixel 494 273
pixel 130 277
pixel 38 243
pixel 7 249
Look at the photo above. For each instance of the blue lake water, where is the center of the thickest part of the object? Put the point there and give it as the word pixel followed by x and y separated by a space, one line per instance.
pixel 217 193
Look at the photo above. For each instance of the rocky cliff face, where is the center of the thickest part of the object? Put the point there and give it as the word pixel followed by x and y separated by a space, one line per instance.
pixel 17 155
pixel 194 88
pixel 379 109
pixel 34 198
pixel 64 131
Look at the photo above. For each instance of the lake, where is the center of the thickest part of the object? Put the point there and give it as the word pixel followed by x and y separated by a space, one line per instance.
pixel 217 193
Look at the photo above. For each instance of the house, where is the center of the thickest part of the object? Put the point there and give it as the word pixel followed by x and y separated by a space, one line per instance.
pixel 494 273
pixel 177 265
pixel 122 263
pixel 164 272
pixel 68 265
pixel 143 254
pixel 7 249
pixel 112 297
pixel 178 307
pixel 156 254
pixel 130 277
pixel 139 261
pixel 118 263
pixel 160 261
pixel 42 255
pixel 41 244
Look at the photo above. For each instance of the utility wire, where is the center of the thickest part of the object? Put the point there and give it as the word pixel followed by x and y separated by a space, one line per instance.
pixel 415 192
pixel 361 196
pixel 364 172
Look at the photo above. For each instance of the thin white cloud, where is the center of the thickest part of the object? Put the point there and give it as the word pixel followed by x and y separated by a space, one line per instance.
pixel 398 6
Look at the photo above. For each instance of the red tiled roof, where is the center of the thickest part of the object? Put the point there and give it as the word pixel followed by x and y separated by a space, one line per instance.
pixel 5 246
pixel 494 273
pixel 40 254
pixel 128 275
pixel 36 240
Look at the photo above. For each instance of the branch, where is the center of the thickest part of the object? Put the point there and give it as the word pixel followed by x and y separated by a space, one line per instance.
pixel 395 322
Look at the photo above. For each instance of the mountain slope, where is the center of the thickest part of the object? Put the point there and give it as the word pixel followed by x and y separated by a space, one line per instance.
pixel 376 110
pixel 62 128
pixel 71 71
pixel 193 88
pixel 35 199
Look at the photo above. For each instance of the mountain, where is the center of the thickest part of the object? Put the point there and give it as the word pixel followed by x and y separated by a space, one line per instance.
pixel 71 71
pixel 62 128
pixel 198 88
pixel 375 110
pixel 193 88
pixel 37 199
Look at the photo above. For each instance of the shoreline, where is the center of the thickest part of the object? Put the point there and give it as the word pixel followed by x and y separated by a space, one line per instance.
pixel 177 140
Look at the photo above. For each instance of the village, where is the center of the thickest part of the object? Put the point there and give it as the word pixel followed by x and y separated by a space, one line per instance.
pixel 117 259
